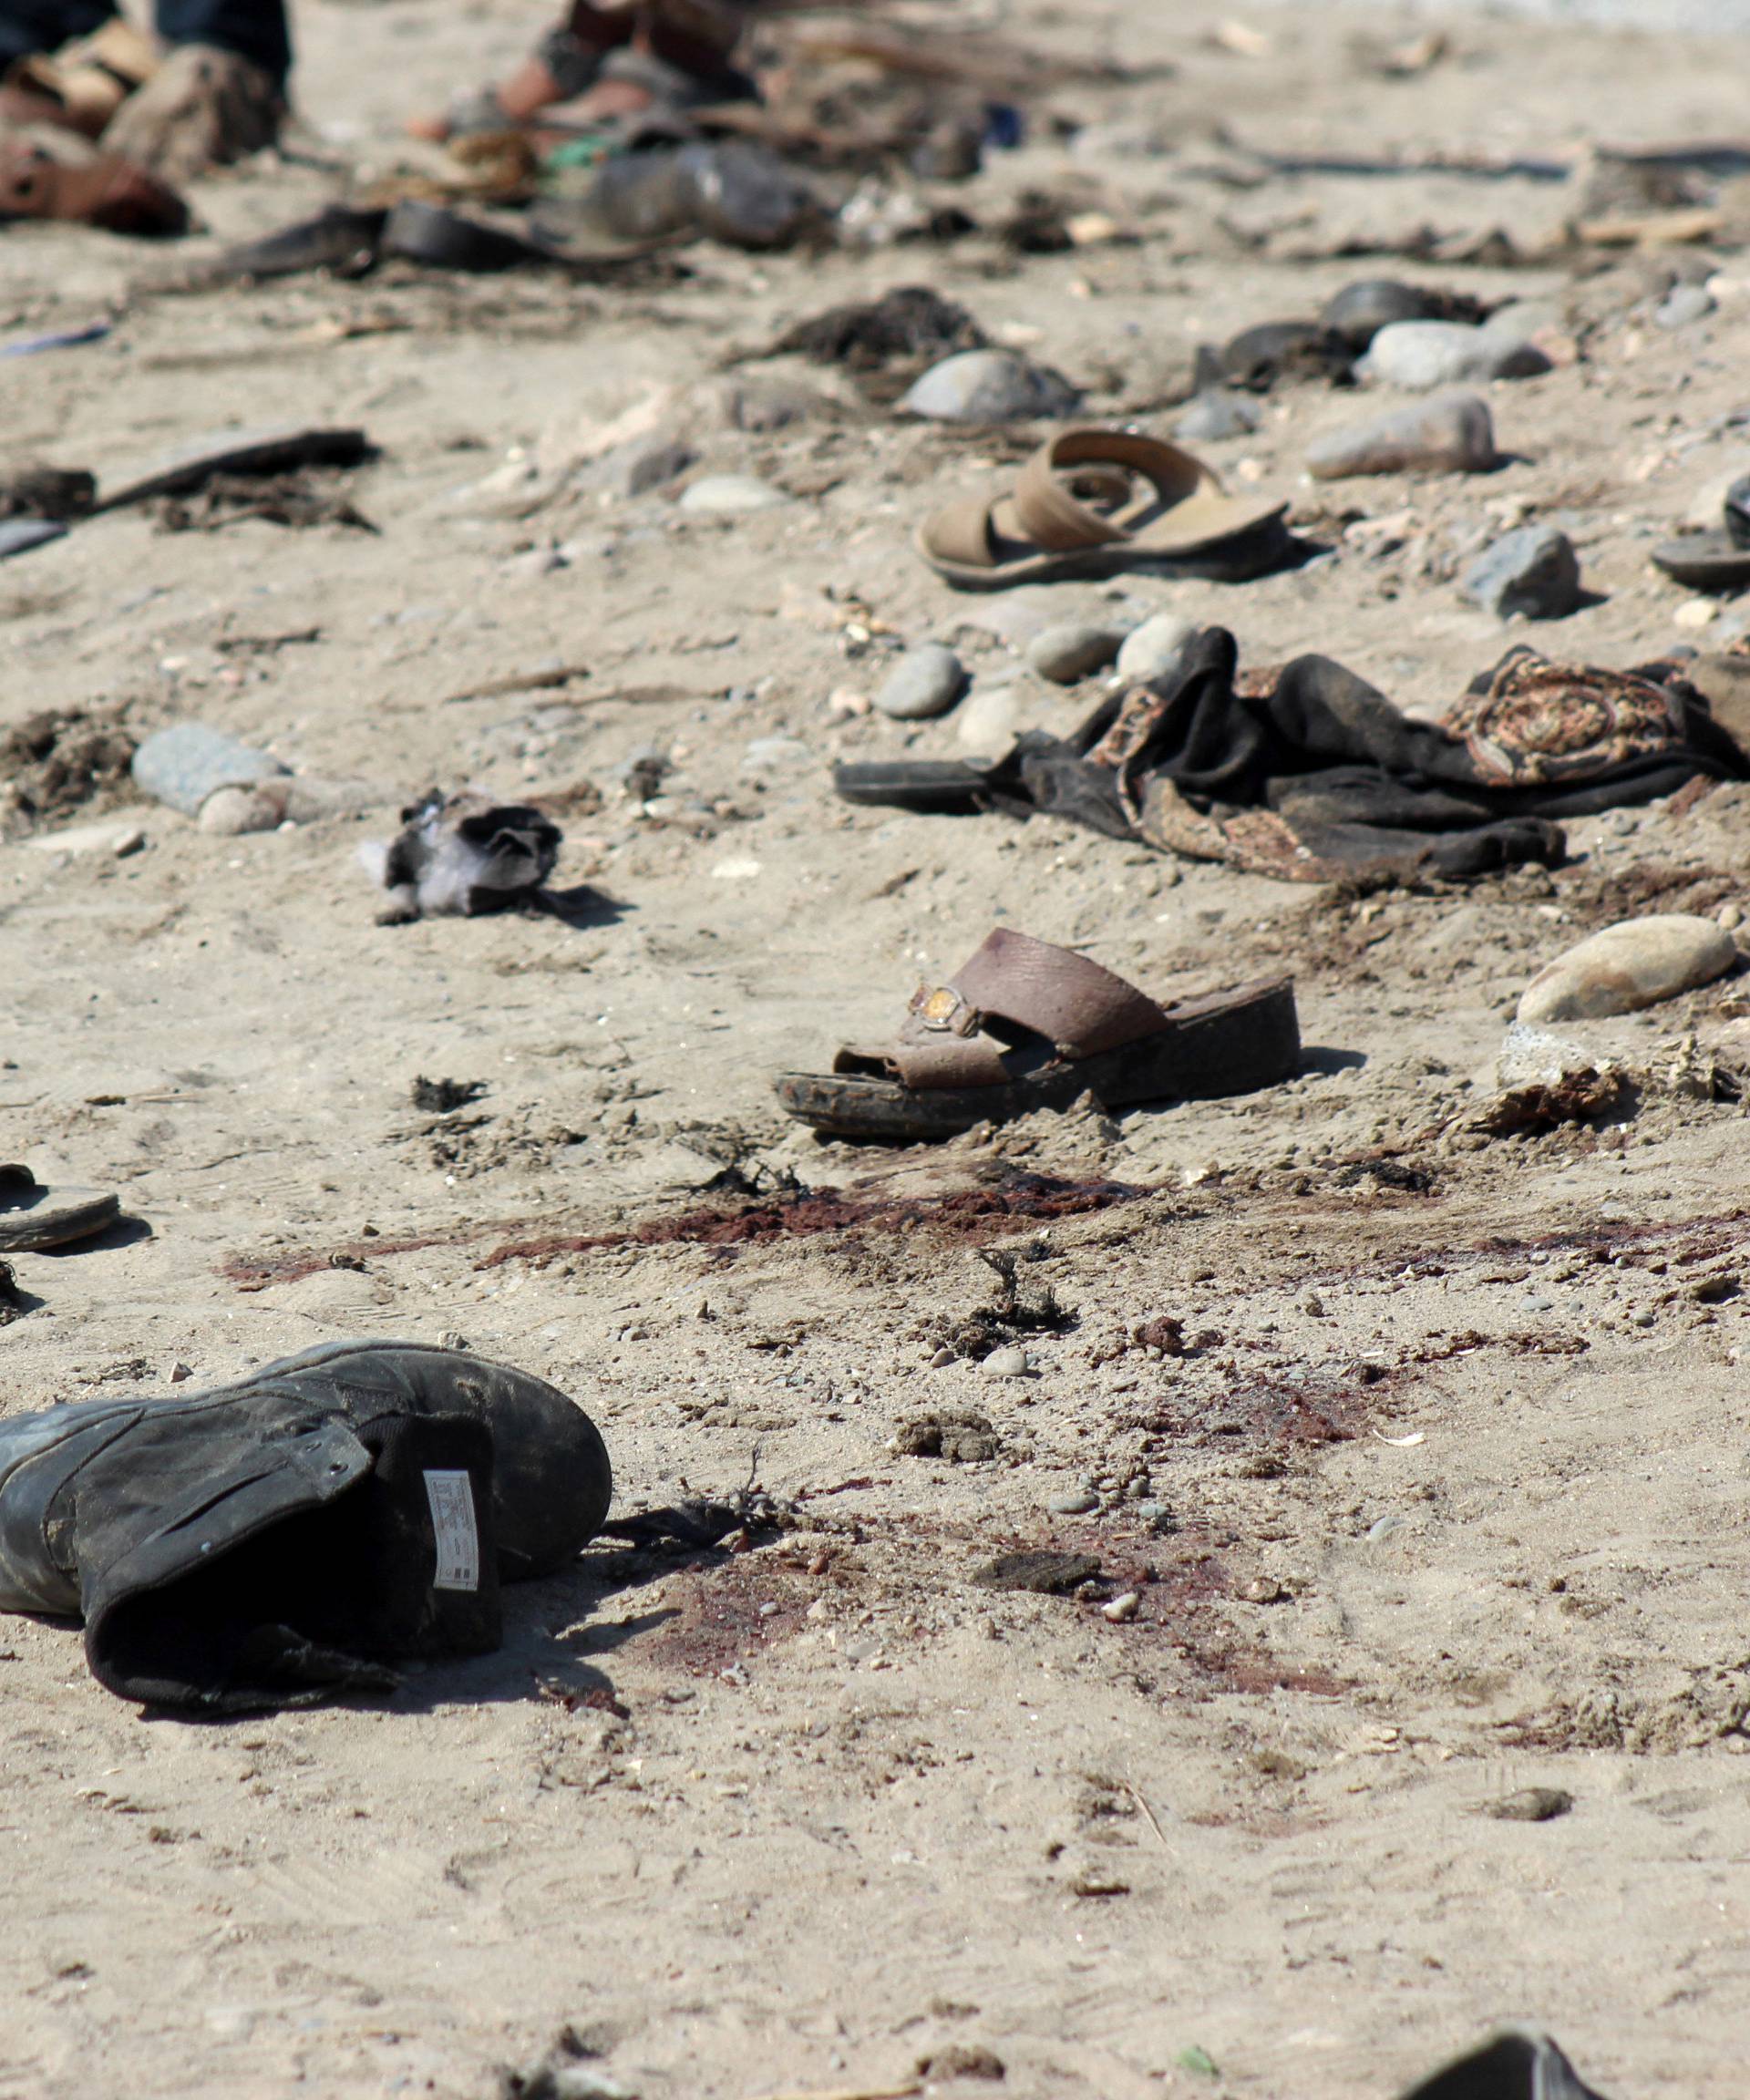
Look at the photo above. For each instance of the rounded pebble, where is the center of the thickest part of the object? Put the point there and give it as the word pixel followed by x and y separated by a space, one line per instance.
pixel 1153 650
pixel 924 683
pixel 1074 649
pixel 1634 964
pixel 1451 434
pixel 1006 1363
pixel 989 386
pixel 731 496
pixel 1122 1608
pixel 1420 356
pixel 1081 1503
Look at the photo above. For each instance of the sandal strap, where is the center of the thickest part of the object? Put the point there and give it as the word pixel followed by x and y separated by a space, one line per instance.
pixel 1072 1002
pixel 1056 520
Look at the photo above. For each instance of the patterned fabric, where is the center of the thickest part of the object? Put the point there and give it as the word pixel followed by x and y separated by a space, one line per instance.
pixel 1530 723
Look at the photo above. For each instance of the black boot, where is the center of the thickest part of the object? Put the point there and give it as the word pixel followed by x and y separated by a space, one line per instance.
pixel 283 1537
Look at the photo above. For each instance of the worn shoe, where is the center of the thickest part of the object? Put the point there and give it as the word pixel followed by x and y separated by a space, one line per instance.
pixel 286 1538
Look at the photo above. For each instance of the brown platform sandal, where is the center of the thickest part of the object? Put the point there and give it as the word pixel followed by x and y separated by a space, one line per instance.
pixel 1096 503
pixel 33 1216
pixel 94 189
pixel 1028 1025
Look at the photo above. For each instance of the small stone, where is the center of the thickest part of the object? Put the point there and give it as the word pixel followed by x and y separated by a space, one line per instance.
pixel 987 721
pixel 776 755
pixel 640 465
pixel 180 1374
pixel 924 683
pixel 961 2060
pixel 1530 1805
pixel 1265 1590
pixel 1074 650
pixel 1216 414
pixel 1695 612
pixel 131 841
pixel 1730 916
pixel 1010 1362
pixel 1153 650
pixel 991 387
pixel 1634 964
pixel 1419 356
pixel 1098 1883
pixel 1685 304
pixel 1451 434
pixel 1078 1502
pixel 1313 1305
pixel 1121 1609
pixel 1534 572
pixel 731 496
pixel 227 812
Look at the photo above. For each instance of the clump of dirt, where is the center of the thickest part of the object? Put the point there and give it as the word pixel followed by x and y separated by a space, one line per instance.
pixel 958 1434
pixel 1587 1096
pixel 60 761
pixel 912 322
pixel 444 1096
pixel 1016 1311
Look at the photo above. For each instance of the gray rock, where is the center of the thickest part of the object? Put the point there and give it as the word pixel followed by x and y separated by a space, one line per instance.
pixel 924 683
pixel 731 495
pixel 1685 304
pixel 1451 434
pixel 1074 649
pixel 183 763
pixel 1081 1503
pixel 1534 571
pixel 991 387
pixel 639 466
pixel 1010 1362
pixel 776 755
pixel 1217 413
pixel 1420 356
pixel 1153 649
pixel 1634 964
pixel 988 721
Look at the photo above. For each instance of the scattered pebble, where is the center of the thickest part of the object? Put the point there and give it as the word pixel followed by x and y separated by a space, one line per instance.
pixel 1634 964
pixel 1217 413
pixel 1420 356
pixel 1530 1805
pixel 1099 1882
pixel 1534 572
pixel 731 496
pixel 1074 649
pixel 925 681
pixel 1122 1609
pixel 1079 1502
pixel 1266 1590
pixel 1153 649
pixel 991 387
pixel 987 721
pixel 1009 1363
pixel 1684 304
pixel 1451 434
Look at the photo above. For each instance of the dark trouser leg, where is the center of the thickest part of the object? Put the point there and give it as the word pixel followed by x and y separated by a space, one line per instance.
pixel 28 26
pixel 254 29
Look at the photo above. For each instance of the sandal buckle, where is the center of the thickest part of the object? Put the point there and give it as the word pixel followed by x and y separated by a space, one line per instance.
pixel 939 1007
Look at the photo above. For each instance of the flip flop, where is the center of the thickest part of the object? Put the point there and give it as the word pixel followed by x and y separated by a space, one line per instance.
pixel 341 240
pixel 265 451
pixel 96 190
pixel 1715 559
pixel 1075 513
pixel 33 1216
pixel 1028 1025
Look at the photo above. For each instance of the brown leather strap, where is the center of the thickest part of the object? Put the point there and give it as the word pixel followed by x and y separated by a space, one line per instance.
pixel 1054 519
pixel 1057 993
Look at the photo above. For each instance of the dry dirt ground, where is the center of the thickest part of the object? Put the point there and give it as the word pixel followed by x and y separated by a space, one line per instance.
pixel 1444 1500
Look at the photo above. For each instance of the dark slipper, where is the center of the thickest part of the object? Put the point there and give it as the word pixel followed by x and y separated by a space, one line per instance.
pixel 1028 1025
pixel 930 787
pixel 449 240
pixel 269 451
pixel 1715 559
pixel 1513 2067
pixel 33 1216
pixel 341 240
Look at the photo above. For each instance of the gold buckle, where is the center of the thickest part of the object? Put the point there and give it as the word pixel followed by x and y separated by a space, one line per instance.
pixel 941 1008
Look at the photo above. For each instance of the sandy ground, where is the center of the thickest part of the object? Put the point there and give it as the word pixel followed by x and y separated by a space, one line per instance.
pixel 1448 1498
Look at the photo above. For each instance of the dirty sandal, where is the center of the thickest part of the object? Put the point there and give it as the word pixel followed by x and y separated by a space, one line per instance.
pixel 1716 559
pixel 1028 1025
pixel 1075 512
pixel 33 1216
pixel 100 189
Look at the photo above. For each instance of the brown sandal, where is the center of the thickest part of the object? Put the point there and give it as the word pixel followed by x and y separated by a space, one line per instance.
pixel 33 1216
pixel 97 190
pixel 1028 1025
pixel 1076 511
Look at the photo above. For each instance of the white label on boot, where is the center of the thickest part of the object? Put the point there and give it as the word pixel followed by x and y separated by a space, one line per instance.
pixel 451 1496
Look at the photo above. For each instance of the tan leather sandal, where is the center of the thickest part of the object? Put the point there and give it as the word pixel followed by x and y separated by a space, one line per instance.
pixel 1025 1025
pixel 81 86
pixel 1094 503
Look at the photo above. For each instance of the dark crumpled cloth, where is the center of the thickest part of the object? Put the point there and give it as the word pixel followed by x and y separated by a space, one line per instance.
pixel 1307 773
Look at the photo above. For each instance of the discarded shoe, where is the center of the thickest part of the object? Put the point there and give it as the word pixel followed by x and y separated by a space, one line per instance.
pixel 1515 2065
pixel 461 855
pixel 33 1216
pixel 291 1536
pixel 203 107
pixel 1716 559
pixel 341 240
pixel 1028 1025
pixel 1075 512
